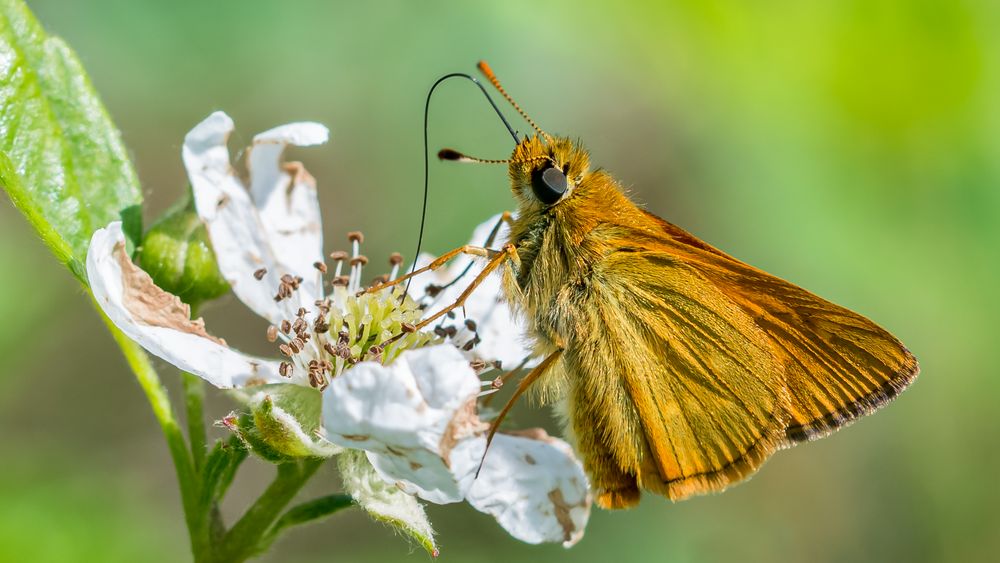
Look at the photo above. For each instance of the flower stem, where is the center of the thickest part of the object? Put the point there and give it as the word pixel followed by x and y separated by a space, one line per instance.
pixel 243 539
pixel 158 399
pixel 194 398
pixel 306 512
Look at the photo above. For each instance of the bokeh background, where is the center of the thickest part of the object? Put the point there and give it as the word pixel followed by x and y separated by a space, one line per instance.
pixel 851 147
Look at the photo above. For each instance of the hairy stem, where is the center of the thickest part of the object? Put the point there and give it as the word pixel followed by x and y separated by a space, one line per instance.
pixel 159 400
pixel 242 540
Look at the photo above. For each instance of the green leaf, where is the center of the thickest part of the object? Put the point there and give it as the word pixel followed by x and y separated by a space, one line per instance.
pixel 61 159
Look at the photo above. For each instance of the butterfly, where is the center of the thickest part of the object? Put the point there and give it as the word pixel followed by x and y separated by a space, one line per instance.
pixel 681 368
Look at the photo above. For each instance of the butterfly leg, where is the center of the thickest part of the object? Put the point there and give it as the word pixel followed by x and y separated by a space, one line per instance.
pixel 497 259
pixel 505 217
pixel 468 249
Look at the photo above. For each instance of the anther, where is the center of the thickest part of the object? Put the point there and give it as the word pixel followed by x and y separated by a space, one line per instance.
pixel 432 290
pixel 469 345
pixel 299 343
pixel 359 259
pixel 338 255
pixel 395 259
pixel 321 326
pixel 340 280
pixel 451 331
pixel 259 274
pixel 286 350
pixel 379 280
pixel 330 349
pixel 301 312
pixel 286 326
pixel 272 333
pixel 299 325
pixel 356 236
pixel 440 332
pixel 320 266
pixel 470 324
pixel 285 369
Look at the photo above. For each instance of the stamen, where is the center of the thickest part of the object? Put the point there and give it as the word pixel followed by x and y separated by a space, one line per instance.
pixel 285 369
pixel 286 349
pixel 338 257
pixel 395 259
pixel 259 274
pixel 301 312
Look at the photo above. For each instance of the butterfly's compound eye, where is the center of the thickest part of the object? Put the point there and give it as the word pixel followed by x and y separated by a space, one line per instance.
pixel 549 184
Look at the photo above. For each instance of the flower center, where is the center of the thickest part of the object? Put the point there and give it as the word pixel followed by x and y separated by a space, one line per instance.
pixel 348 326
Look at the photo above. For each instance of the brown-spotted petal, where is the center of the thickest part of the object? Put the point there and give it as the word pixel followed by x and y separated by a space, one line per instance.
pixel 160 322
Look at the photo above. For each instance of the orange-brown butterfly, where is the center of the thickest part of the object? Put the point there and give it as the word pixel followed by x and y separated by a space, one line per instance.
pixel 683 369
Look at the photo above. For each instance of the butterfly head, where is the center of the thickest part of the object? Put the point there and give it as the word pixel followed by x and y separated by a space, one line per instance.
pixel 545 172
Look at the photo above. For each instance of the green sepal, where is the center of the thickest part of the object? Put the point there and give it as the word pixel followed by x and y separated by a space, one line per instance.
pixel 282 424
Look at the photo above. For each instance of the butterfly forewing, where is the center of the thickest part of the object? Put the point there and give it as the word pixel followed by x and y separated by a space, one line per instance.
pixel 838 364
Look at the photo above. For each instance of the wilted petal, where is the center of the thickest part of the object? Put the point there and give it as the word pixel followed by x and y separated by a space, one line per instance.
pixel 535 487
pixel 383 501
pixel 501 332
pixel 411 417
pixel 160 322
pixel 285 196
pixel 238 235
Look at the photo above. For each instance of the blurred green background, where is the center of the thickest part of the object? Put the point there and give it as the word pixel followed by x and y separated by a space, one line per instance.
pixel 851 147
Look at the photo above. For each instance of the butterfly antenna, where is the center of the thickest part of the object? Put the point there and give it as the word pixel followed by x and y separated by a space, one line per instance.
pixel 488 73
pixel 454 155
pixel 427 107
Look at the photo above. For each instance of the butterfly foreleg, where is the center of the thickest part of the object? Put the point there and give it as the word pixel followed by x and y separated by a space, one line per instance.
pixel 497 258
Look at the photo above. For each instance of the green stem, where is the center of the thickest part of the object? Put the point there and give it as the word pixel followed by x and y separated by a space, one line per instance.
pixel 242 540
pixel 306 512
pixel 194 397
pixel 159 400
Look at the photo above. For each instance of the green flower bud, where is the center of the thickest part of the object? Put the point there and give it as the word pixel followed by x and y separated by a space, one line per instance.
pixel 177 254
pixel 282 423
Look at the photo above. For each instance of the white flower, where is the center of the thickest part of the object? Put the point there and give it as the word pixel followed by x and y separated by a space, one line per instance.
pixel 530 482
pixel 409 405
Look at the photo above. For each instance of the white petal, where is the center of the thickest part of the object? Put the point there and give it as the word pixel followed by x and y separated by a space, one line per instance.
pixel 160 322
pixel 285 196
pixel 384 501
pixel 409 416
pixel 238 236
pixel 535 487
pixel 502 333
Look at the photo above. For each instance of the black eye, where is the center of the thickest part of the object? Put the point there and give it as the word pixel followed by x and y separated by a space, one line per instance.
pixel 548 184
